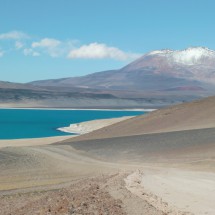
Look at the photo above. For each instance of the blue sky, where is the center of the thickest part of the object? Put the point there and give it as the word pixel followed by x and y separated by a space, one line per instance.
pixel 45 39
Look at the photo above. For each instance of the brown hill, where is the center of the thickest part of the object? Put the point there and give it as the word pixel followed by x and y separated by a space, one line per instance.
pixel 194 115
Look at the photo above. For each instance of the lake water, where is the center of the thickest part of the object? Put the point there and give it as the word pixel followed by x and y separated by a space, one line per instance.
pixel 22 123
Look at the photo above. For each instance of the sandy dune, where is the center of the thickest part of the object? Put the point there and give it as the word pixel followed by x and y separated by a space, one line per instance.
pixel 194 148
pixel 25 167
pixel 187 116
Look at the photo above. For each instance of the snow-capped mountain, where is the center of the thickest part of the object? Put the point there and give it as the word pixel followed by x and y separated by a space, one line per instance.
pixel 196 63
pixel 189 69
pixel 190 56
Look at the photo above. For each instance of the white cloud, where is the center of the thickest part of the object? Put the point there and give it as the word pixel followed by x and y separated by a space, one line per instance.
pixel 65 48
pixel 19 45
pixel 50 46
pixel 13 35
pixel 101 51
pixel 46 42
pixel 53 47
pixel 30 52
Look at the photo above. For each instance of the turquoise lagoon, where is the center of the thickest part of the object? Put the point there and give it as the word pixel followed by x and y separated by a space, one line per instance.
pixel 34 123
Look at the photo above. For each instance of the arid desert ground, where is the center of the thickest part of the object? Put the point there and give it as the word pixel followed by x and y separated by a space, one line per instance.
pixel 160 163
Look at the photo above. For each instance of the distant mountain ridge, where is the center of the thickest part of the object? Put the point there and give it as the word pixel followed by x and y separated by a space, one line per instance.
pixel 158 78
pixel 192 68
pixel 11 85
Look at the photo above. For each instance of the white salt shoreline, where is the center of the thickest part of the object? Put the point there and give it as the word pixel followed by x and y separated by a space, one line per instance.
pixel 88 126
pixel 126 109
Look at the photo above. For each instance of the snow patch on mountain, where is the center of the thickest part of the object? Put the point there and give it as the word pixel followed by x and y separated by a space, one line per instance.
pixel 190 56
pixel 161 52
